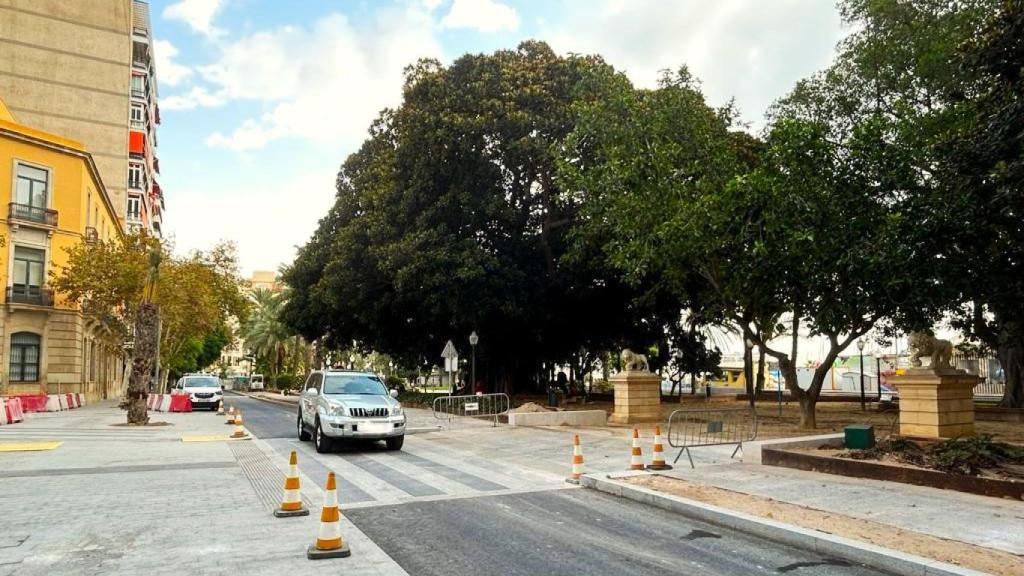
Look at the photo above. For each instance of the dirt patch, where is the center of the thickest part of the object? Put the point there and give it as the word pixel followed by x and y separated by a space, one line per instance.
pixel 148 425
pixel 978 456
pixel 958 553
pixel 530 407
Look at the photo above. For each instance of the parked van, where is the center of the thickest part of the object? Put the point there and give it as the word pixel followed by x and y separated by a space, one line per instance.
pixel 257 382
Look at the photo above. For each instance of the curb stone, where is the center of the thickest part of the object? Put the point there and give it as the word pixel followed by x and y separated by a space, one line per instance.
pixel 891 561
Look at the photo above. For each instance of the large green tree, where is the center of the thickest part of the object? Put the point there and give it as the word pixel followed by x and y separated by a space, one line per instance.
pixel 946 77
pixel 450 219
pixel 195 294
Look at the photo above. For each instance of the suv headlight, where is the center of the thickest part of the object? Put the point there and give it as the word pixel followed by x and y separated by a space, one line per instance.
pixel 396 410
pixel 338 410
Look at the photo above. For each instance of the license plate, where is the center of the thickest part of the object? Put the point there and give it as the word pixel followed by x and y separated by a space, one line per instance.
pixel 375 427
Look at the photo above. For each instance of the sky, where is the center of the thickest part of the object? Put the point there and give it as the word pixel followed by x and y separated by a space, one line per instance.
pixel 262 100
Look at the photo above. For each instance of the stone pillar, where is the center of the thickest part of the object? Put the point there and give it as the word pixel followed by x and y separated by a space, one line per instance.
pixel 936 403
pixel 637 397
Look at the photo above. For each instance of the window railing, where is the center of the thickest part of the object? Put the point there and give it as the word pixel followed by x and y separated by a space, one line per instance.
pixel 91 235
pixel 138 93
pixel 138 124
pixel 31 213
pixel 36 295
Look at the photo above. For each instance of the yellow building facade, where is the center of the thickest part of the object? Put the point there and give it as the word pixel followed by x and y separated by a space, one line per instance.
pixel 52 198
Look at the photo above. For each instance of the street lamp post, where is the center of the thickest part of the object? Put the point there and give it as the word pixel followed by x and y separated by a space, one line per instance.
pixel 860 346
pixel 473 341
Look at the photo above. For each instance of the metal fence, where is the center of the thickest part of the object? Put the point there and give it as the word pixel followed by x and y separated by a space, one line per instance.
pixel 695 427
pixel 473 406
pixel 993 379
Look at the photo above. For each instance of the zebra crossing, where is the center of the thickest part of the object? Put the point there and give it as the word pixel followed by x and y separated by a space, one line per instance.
pixel 420 471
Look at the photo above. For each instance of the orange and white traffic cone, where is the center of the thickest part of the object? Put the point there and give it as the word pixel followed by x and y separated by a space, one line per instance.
pixel 291 502
pixel 577 461
pixel 230 413
pixel 636 460
pixel 239 431
pixel 658 453
pixel 220 408
pixel 329 543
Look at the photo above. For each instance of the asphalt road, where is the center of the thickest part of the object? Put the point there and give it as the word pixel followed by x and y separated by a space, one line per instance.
pixel 549 532
pixel 264 419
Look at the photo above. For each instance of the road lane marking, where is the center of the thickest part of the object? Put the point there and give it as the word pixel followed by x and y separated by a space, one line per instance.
pixel 28 446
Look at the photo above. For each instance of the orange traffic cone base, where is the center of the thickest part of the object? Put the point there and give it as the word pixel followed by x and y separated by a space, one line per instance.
pixel 659 466
pixel 314 553
pixel 572 480
pixel 278 512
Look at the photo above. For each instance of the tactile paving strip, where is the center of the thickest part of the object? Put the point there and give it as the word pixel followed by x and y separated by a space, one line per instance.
pixel 266 479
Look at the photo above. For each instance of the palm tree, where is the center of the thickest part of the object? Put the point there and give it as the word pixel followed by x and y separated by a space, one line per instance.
pixel 265 334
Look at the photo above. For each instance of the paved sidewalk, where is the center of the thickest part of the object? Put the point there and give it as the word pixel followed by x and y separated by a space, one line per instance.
pixel 120 500
pixel 983 521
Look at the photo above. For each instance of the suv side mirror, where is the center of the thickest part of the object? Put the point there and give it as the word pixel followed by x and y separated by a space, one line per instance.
pixel 394 393
pixel 311 390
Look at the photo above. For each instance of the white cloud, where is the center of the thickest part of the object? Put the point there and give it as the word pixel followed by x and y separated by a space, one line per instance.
pixel 276 215
pixel 753 51
pixel 432 4
pixel 482 15
pixel 198 14
pixel 326 83
pixel 198 97
pixel 170 72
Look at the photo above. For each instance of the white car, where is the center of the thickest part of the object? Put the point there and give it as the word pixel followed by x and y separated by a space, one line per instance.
pixel 203 389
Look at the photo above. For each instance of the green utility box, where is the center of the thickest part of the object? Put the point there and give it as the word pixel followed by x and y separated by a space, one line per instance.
pixel 859 437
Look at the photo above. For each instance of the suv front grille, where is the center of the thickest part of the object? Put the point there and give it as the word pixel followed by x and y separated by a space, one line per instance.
pixel 368 412
pixel 204 394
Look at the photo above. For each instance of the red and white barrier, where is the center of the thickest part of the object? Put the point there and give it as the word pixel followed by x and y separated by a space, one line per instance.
pixel 53 403
pixel 32 402
pixel 62 401
pixel 81 399
pixel 165 403
pixel 72 400
pixel 11 411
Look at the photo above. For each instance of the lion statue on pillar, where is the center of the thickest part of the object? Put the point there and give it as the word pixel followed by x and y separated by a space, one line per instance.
pixel 925 343
pixel 631 361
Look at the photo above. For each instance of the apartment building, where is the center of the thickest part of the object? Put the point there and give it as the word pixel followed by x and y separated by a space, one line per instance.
pixel 55 199
pixel 84 69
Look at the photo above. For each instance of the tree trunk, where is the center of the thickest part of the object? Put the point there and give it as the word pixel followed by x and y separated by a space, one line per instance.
pixel 143 359
pixel 748 367
pixel 808 416
pixel 1011 357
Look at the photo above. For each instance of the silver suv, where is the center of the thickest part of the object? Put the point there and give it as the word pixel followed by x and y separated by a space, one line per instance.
pixel 340 404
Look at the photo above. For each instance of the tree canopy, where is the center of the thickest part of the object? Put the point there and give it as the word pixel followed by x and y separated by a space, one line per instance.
pixel 196 295
pixel 450 219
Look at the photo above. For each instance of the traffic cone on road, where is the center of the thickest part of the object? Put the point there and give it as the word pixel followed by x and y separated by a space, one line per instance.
pixel 658 453
pixel 291 502
pixel 220 408
pixel 230 415
pixel 329 543
pixel 577 461
pixel 636 460
pixel 239 431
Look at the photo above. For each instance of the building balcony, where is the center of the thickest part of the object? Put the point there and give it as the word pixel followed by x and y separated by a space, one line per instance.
pixel 33 295
pixel 138 93
pixel 92 236
pixel 34 214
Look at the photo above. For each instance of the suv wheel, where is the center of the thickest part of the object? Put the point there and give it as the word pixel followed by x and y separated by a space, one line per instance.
pixel 320 440
pixel 395 443
pixel 303 433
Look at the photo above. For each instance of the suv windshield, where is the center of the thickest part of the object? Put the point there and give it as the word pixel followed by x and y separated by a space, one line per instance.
pixel 353 384
pixel 200 382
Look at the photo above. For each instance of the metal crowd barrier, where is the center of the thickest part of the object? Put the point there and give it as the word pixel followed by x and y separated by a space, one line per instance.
pixel 694 427
pixel 475 406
